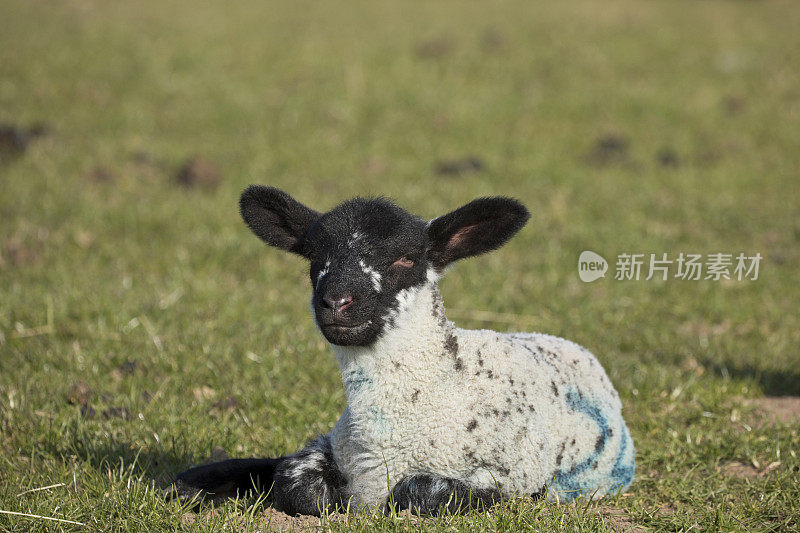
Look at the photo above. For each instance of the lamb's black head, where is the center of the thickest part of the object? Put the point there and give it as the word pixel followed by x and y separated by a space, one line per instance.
pixel 365 252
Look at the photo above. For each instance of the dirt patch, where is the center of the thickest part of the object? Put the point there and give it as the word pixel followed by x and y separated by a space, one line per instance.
pixel 14 139
pixel 617 519
pixel 435 47
pixel 277 521
pixel 772 410
pixel 667 157
pixel 734 104
pixel 225 405
pixel 621 522
pixel 79 394
pixel 199 172
pixel 608 150
pixel 17 252
pixel 125 369
pixel 742 470
pixel 271 520
pixel 101 174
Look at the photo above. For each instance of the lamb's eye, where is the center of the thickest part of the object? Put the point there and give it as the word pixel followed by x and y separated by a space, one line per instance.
pixel 404 262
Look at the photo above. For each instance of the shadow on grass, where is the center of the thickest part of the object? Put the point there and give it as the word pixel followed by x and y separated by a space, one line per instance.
pixel 159 463
pixel 773 382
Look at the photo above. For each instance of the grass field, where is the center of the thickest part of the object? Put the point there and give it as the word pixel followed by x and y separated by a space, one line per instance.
pixel 142 326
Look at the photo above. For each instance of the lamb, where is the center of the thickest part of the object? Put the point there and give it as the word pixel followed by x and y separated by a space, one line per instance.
pixel 438 417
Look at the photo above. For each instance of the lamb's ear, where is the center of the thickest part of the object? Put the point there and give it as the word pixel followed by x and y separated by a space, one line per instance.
pixel 276 218
pixel 480 226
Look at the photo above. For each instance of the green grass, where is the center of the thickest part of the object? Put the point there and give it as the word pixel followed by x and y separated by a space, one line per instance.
pixel 148 292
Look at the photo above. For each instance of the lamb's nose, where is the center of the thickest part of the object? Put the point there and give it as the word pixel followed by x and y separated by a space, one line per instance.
pixel 338 304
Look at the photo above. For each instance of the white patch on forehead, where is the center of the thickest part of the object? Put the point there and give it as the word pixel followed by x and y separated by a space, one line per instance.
pixel 373 274
pixel 322 273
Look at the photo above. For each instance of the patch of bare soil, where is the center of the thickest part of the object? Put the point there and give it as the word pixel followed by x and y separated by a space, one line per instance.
pixel 101 174
pixel 272 520
pixel 608 150
pixel 278 521
pixel 225 405
pixel 774 410
pixel 435 47
pixel 199 172
pixel 667 157
pixel 15 138
pixel 79 393
pixel 748 470
pixel 617 519
pixel 17 252
pixel 620 522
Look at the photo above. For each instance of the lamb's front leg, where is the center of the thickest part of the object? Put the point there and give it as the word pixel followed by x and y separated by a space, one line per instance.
pixel 302 483
pixel 310 481
pixel 426 494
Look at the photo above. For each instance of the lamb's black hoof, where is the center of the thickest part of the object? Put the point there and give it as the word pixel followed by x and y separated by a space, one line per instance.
pixel 195 485
pixel 183 492
pixel 188 494
pixel 215 482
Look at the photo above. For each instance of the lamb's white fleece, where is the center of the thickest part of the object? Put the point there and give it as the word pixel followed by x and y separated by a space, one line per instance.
pixel 527 413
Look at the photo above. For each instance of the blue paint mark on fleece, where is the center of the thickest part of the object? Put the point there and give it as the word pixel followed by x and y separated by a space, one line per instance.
pixel 356 380
pixel 577 481
pixel 622 473
pixel 379 425
pixel 584 478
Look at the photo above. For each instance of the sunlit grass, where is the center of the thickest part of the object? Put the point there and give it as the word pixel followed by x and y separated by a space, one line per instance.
pixel 191 335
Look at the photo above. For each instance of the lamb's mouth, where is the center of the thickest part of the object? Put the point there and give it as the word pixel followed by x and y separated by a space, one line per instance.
pixel 341 328
pixel 348 335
